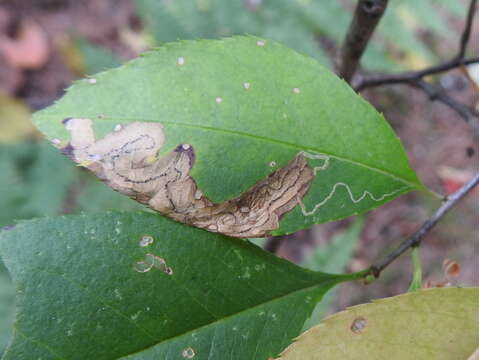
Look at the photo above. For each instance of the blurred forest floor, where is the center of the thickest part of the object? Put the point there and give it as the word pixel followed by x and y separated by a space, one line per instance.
pixel 47 44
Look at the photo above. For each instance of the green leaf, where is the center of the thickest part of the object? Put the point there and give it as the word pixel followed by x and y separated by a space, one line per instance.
pixel 426 324
pixel 139 286
pixel 6 307
pixel 332 258
pixel 291 105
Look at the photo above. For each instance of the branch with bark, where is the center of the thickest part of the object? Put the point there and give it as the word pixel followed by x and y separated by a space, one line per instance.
pixel 416 239
pixel 416 78
pixel 366 17
pixel 412 76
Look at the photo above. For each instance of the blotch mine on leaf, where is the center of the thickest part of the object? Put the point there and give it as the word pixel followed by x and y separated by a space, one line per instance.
pixel 152 261
pixel 142 267
pixel 127 160
pixel 146 240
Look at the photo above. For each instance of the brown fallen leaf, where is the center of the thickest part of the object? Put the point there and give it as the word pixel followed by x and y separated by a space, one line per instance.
pixel 451 268
pixel 29 49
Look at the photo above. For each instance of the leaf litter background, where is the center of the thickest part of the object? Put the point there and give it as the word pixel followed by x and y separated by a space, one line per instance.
pixel 65 40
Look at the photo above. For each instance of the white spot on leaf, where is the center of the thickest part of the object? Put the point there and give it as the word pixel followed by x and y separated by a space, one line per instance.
pixel 260 43
pixel 180 60
pixel 219 100
pixel 118 294
pixel 296 90
pixel 246 85
pixel 92 81
pixel 188 353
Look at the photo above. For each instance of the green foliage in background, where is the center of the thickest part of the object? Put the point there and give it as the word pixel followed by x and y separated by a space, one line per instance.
pixel 332 258
pixel 37 180
pixel 96 58
pixel 34 182
pixel 304 25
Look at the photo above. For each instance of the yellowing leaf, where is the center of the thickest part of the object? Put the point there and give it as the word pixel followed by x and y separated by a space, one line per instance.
pixel 14 120
pixel 428 324
pixel 475 355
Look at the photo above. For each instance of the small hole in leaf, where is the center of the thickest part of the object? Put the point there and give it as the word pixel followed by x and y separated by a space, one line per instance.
pixel 358 325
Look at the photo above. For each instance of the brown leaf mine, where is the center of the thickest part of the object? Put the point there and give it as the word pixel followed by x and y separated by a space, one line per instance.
pixel 127 161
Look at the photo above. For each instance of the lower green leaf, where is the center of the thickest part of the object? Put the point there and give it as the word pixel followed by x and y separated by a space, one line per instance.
pixel 139 286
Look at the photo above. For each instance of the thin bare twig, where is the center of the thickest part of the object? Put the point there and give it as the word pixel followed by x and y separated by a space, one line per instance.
pixel 466 34
pixel 417 237
pixel 438 94
pixel 365 19
pixel 408 76
pixel 273 244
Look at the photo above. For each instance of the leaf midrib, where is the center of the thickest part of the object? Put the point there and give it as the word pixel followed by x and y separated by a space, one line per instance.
pixel 267 139
pixel 239 313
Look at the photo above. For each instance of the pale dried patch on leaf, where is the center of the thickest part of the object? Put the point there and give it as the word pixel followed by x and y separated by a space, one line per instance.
pixel 127 160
